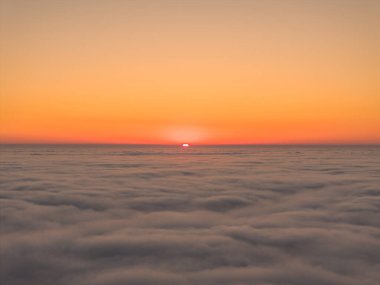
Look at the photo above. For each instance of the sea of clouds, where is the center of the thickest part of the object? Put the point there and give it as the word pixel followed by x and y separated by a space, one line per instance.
pixel 138 215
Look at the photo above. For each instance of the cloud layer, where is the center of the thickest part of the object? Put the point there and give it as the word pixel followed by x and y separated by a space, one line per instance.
pixel 207 215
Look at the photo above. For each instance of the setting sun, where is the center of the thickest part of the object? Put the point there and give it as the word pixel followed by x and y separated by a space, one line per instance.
pixel 187 142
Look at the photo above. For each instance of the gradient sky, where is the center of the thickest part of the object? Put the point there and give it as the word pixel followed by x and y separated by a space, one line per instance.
pixel 205 71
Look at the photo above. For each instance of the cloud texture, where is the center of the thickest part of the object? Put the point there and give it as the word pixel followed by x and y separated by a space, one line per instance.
pixel 98 215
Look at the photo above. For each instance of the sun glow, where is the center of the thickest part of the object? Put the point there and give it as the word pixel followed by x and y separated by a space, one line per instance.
pixel 184 133
pixel 185 145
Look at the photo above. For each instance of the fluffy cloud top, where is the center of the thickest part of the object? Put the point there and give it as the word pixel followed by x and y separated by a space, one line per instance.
pixel 210 215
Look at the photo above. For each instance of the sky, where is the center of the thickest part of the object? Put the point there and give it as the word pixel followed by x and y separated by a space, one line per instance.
pixel 203 72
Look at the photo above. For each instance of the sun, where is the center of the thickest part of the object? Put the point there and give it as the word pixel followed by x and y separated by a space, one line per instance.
pixel 185 145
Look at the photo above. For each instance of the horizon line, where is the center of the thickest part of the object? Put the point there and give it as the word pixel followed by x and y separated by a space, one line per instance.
pixel 191 144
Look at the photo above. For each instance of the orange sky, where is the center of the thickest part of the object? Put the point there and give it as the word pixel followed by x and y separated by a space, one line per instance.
pixel 163 71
